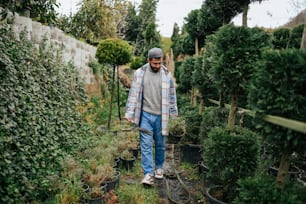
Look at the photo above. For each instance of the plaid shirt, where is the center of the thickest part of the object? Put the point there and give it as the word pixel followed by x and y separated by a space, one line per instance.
pixel 134 102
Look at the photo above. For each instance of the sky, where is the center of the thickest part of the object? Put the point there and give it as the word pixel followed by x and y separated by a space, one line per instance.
pixel 269 13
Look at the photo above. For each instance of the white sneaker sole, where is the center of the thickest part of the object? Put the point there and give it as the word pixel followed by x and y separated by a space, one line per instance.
pixel 147 183
pixel 159 176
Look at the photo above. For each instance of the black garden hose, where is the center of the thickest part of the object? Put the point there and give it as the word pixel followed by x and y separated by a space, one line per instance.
pixel 175 174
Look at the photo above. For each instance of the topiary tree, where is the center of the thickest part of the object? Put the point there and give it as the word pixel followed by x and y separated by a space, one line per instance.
pixel 231 153
pixel 235 49
pixel 116 52
pixel 278 88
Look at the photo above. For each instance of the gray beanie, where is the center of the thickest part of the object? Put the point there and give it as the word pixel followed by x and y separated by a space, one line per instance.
pixel 155 53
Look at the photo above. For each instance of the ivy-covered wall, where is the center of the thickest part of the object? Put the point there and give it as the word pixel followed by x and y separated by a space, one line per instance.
pixel 74 50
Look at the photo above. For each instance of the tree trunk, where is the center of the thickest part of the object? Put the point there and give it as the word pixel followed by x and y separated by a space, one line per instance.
pixel 194 97
pixel 201 105
pixel 112 98
pixel 283 168
pixel 232 112
pixel 303 42
pixel 221 98
pixel 245 14
pixel 118 93
pixel 196 46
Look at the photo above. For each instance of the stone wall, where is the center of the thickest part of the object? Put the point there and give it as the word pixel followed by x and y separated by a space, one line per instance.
pixel 78 52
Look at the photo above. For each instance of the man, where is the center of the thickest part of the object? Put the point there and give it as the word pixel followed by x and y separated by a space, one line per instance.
pixel 151 101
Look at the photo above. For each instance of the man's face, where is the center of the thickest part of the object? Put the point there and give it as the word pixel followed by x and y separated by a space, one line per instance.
pixel 156 64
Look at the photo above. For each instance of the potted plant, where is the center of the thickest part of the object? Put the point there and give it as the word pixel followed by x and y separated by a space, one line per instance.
pixel 230 155
pixel 127 159
pixel 230 152
pixel 111 177
pixel 176 129
pixel 95 195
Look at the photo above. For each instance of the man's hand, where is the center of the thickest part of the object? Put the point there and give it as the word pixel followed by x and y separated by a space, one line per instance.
pixel 129 120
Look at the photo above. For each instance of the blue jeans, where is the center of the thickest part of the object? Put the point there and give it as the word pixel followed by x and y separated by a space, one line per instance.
pixel 151 123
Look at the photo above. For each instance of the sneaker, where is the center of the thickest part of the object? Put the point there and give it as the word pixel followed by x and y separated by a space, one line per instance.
pixel 159 173
pixel 148 179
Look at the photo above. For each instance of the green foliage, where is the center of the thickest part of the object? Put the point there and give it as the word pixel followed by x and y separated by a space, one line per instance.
pixel 177 65
pixel 40 10
pixel 224 10
pixel 96 20
pixel 296 36
pixel 136 63
pixel 192 25
pixel 177 126
pixel 197 74
pixel 263 189
pixel 193 121
pixel 132 24
pixel 207 86
pixel 278 89
pixel 234 50
pixel 284 38
pixel 186 70
pixel 96 67
pixel 151 36
pixel 213 116
pixel 280 38
pixel 114 51
pixel 230 155
pixel 184 45
pixel 147 35
pixel 39 118
pixel 166 44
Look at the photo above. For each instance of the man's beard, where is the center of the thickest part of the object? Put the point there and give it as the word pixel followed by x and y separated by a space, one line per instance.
pixel 155 69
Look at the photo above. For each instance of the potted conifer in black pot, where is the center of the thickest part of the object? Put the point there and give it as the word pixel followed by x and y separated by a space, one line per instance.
pixel 231 153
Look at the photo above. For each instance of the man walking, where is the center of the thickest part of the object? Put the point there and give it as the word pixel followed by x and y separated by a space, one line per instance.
pixel 151 101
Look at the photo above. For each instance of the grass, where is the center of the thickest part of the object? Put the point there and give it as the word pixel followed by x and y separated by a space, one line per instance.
pixel 136 194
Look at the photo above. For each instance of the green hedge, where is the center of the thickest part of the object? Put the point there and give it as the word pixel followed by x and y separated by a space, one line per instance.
pixel 39 121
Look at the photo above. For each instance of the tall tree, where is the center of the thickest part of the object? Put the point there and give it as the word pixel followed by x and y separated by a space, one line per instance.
pixel 245 8
pixel 147 14
pixel 41 10
pixel 97 20
pixel 192 27
pixel 175 39
pixel 132 27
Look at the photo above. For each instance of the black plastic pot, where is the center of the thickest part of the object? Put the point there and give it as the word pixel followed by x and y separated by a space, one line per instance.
pixel 173 139
pixel 202 167
pixel 135 152
pixel 116 163
pixel 209 195
pixel 95 200
pixel 190 153
pixel 293 172
pixel 112 184
pixel 127 163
